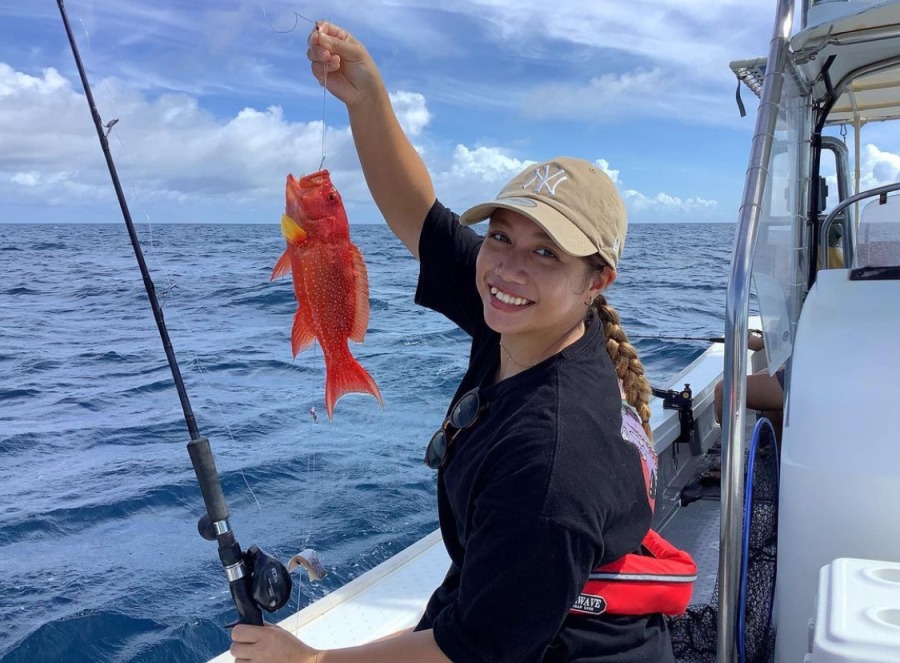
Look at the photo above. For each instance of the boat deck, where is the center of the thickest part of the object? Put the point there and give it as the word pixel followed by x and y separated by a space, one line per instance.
pixel 695 528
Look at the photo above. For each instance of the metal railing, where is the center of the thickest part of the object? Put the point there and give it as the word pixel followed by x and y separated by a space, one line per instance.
pixel 737 310
pixel 849 237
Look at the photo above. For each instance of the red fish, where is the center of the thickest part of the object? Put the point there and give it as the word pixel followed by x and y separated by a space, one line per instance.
pixel 330 283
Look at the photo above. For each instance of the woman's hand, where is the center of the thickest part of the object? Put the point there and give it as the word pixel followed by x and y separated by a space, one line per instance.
pixel 268 644
pixel 342 64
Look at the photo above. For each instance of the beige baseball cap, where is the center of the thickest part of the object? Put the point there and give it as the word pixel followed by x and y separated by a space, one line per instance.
pixel 574 201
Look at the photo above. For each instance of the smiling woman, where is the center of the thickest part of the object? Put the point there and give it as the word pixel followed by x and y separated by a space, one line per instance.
pixel 537 468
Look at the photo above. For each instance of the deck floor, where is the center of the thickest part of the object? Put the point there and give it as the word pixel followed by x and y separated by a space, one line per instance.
pixel 695 528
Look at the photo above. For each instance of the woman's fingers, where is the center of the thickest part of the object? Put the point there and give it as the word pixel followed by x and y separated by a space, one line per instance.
pixel 268 644
pixel 245 633
pixel 329 44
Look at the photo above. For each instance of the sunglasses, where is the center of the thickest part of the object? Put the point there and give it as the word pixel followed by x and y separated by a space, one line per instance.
pixel 465 413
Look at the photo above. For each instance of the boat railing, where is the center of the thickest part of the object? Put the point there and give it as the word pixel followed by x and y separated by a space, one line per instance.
pixel 737 313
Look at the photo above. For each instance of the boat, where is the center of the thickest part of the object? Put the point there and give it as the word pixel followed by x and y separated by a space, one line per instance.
pixel 797 546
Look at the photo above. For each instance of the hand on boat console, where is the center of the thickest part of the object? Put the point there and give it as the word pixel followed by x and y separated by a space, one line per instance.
pixel 269 644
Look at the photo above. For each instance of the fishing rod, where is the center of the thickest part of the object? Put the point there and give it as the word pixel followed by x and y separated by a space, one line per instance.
pixel 705 339
pixel 660 337
pixel 256 579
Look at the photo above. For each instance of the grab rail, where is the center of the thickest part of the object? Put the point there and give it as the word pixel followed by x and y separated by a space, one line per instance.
pixel 849 238
pixel 737 311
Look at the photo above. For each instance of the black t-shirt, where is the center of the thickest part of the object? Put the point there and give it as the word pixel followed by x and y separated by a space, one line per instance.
pixel 539 491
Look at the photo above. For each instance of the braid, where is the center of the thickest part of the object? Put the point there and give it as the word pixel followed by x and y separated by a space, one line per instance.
pixel 624 357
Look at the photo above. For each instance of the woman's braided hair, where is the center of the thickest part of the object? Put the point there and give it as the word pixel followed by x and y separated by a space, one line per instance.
pixel 629 368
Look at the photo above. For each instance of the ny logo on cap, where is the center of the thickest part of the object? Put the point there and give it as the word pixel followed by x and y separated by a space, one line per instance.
pixel 545 179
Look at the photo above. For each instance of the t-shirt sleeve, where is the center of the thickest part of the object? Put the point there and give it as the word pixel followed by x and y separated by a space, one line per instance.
pixel 521 575
pixel 447 254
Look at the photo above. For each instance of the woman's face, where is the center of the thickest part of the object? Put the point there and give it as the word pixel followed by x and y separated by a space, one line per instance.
pixel 528 285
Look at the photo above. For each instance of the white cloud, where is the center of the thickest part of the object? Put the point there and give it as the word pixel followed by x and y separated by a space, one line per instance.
pixel 673 33
pixel 175 157
pixel 166 148
pixel 603 165
pixel 26 179
pixel 477 174
pixel 878 167
pixel 488 164
pixel 665 203
pixel 40 118
pixel 411 110
pixel 639 93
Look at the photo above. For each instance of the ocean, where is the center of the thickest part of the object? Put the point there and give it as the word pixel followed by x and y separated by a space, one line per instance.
pixel 100 559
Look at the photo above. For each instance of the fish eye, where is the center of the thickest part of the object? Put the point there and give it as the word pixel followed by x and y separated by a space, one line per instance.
pixel 332 196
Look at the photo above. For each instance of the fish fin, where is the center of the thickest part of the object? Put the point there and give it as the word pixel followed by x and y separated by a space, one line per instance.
pixel 345 375
pixel 292 231
pixel 361 309
pixel 282 267
pixel 302 335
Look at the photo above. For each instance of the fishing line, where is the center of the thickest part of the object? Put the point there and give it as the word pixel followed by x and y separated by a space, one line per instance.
pixel 171 285
pixel 214 525
pixel 311 463
pixel 297 17
pixel 324 97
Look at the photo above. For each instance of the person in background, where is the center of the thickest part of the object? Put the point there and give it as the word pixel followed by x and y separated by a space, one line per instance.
pixel 537 484
pixel 835 250
pixel 765 393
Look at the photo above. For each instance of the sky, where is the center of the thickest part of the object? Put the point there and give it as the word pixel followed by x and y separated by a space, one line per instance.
pixel 215 102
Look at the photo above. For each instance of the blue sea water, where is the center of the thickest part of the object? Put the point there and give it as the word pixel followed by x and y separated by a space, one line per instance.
pixel 100 559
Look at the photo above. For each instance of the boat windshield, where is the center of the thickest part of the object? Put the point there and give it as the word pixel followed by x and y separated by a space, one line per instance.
pixel 779 260
pixel 878 238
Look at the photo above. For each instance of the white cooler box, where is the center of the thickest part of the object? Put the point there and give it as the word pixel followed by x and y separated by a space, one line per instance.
pixel 857 613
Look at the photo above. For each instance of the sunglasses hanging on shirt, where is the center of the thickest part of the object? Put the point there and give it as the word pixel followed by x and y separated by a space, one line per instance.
pixel 463 415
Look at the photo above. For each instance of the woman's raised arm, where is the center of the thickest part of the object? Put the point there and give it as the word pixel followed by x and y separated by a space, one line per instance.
pixel 394 171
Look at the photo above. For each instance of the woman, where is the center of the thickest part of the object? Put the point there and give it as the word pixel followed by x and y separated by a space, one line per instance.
pixel 536 483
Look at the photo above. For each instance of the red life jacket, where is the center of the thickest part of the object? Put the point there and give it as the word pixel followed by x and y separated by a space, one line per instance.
pixel 660 578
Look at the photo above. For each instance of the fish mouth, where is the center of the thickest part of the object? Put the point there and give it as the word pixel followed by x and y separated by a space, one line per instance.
pixel 292 193
pixel 313 180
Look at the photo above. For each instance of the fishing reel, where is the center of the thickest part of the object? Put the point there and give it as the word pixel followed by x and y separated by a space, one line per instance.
pixel 269 581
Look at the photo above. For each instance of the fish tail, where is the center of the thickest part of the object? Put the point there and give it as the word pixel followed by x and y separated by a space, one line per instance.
pixel 345 375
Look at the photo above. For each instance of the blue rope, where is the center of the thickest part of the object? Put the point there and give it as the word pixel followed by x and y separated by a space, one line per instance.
pixel 748 512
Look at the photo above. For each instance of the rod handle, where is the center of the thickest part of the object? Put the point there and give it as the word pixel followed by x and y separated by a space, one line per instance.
pixel 208 478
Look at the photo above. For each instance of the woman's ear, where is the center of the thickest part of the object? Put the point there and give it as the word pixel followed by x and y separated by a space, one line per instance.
pixel 602 280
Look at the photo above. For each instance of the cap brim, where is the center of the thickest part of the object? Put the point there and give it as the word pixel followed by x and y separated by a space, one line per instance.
pixel 562 231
